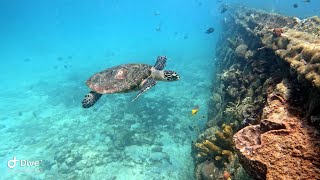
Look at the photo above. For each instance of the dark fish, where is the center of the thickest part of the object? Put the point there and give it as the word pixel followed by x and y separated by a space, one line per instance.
pixel 210 30
pixel 295 5
pixel 185 36
pixel 223 9
pixel 27 60
pixel 156 13
pixel 65 66
pixel 306 1
pixel 20 113
pixel 191 128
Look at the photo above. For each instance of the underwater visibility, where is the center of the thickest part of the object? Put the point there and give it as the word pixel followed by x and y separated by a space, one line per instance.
pixel 160 90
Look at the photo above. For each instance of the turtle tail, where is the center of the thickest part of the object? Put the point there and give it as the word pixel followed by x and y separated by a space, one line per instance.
pixel 89 99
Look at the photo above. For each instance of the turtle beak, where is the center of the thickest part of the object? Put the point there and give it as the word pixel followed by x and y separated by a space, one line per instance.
pixel 175 76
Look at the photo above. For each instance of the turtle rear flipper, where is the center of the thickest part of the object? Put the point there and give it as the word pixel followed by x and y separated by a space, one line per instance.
pixel 146 84
pixel 161 62
pixel 89 99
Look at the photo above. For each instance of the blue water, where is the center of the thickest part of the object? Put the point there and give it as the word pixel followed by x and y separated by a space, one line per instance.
pixel 49 49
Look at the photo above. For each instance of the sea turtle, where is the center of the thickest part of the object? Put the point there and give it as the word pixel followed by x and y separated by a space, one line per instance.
pixel 126 78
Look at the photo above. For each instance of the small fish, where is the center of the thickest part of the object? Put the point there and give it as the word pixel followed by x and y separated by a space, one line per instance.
pixel 195 110
pixel 27 60
pixel 210 30
pixel 158 28
pixel 306 1
pixel 156 13
pixel 60 58
pixel 34 114
pixel 191 128
pixel 295 5
pixel 65 66
pixel 223 9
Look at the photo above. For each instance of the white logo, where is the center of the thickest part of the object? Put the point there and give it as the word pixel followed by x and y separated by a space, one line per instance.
pixel 23 163
pixel 12 163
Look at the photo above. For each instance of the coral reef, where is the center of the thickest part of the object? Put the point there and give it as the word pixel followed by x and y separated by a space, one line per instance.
pixel 303 55
pixel 217 146
pixel 208 171
pixel 214 153
pixel 266 97
pixel 277 32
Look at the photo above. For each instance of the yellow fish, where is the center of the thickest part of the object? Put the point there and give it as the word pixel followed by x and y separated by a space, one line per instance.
pixel 195 110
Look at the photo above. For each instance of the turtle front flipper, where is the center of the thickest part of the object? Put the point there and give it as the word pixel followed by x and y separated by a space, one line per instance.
pixel 89 99
pixel 145 85
pixel 161 62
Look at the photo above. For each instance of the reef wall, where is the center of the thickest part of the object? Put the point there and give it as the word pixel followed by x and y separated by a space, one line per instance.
pixel 265 108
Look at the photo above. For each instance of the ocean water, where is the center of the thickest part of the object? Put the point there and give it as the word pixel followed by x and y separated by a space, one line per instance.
pixel 49 49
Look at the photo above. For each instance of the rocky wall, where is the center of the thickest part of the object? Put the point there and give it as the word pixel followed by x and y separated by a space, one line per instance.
pixel 265 108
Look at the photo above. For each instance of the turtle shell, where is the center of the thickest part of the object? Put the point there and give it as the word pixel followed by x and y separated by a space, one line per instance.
pixel 122 78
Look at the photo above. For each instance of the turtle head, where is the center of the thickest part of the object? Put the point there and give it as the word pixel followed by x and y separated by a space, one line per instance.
pixel 170 75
